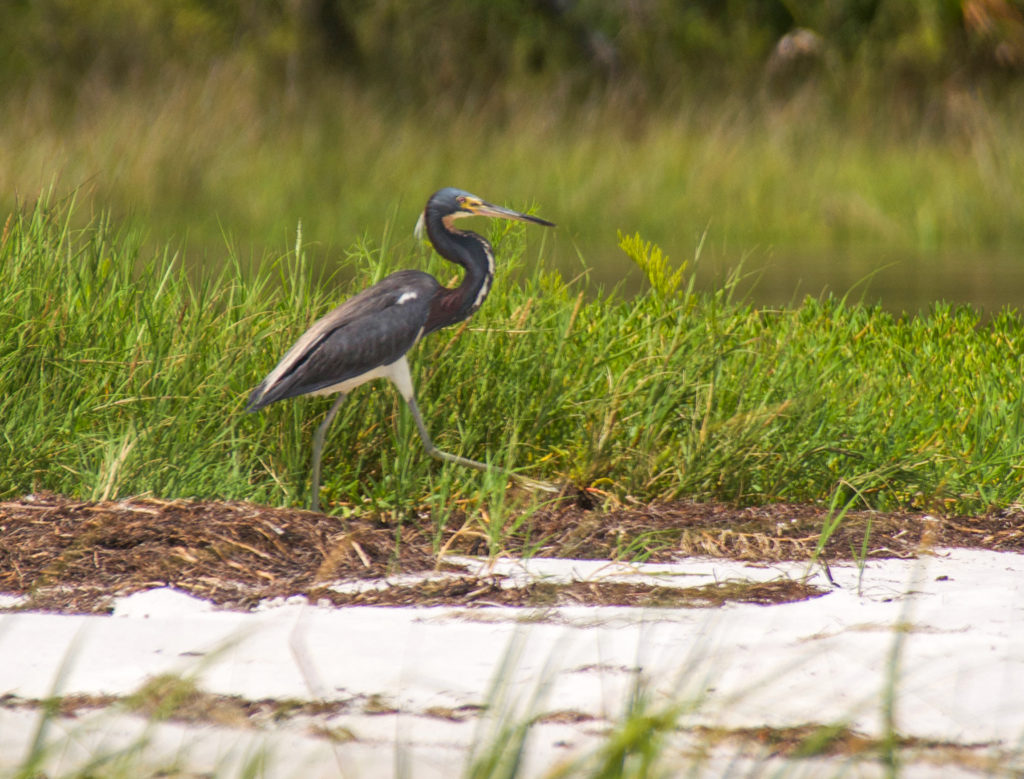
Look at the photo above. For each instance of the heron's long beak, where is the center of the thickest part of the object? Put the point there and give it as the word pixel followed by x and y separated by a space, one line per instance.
pixel 487 209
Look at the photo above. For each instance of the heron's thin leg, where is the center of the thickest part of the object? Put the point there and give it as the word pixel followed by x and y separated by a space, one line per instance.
pixel 318 445
pixel 433 451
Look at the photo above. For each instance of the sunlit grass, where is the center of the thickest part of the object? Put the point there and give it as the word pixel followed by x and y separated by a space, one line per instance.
pixel 123 374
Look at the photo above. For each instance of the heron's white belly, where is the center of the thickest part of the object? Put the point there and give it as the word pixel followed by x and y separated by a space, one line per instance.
pixel 398 372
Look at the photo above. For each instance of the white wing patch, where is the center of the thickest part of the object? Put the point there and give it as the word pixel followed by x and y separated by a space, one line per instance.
pixel 405 297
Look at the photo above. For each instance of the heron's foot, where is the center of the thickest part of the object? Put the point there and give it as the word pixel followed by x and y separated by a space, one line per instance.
pixel 534 484
pixel 447 457
pixel 522 481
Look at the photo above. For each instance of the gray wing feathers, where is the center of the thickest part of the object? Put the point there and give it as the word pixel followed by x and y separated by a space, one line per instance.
pixel 372 329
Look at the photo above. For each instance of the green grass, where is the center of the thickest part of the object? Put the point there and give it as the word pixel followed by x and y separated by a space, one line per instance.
pixel 121 373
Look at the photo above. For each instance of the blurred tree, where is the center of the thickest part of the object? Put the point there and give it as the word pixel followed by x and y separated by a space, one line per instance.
pixel 418 50
pixel 996 29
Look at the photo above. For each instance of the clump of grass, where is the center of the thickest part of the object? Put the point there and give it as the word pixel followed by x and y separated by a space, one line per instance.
pixel 664 279
pixel 638 743
pixel 122 373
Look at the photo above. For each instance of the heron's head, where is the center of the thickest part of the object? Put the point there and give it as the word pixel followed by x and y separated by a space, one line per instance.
pixel 449 204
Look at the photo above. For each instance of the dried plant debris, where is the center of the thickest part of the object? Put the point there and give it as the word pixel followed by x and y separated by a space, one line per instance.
pixel 169 698
pixel 489 591
pixel 839 740
pixel 75 556
pixel 69 555
pixel 769 533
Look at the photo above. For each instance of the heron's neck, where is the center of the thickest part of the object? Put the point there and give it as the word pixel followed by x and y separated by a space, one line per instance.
pixel 475 255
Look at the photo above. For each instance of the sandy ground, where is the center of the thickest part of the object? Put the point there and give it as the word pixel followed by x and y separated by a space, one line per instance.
pixel 313 689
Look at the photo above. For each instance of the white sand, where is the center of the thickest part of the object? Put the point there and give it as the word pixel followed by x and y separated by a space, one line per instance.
pixel 826 660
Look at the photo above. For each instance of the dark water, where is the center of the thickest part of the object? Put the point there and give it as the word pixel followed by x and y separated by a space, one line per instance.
pixel 899 281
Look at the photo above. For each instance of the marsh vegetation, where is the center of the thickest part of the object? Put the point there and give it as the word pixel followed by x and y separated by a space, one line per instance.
pixel 185 186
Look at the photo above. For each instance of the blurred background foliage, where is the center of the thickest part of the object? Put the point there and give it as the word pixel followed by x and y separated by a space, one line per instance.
pixel 435 50
pixel 831 138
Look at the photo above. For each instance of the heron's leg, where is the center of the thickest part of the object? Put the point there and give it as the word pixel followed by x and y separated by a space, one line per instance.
pixel 433 451
pixel 400 375
pixel 318 445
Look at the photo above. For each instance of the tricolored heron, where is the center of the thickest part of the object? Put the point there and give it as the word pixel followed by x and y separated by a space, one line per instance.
pixel 368 336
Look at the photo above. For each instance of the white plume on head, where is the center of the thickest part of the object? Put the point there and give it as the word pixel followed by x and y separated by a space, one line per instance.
pixel 419 231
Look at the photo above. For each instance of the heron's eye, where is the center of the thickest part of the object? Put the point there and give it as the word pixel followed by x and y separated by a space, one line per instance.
pixel 461 200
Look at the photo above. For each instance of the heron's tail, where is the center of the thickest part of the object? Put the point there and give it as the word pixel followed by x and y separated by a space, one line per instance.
pixel 257 400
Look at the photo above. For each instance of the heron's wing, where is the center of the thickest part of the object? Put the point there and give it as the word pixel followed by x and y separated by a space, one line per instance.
pixel 372 329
